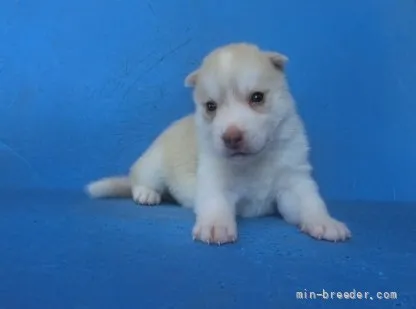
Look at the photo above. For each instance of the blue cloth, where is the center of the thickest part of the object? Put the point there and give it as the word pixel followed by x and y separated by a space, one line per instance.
pixel 86 86
pixel 62 250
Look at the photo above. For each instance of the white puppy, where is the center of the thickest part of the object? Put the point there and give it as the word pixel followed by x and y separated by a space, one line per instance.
pixel 243 152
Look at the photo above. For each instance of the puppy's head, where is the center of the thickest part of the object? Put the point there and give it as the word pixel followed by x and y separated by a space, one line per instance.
pixel 239 92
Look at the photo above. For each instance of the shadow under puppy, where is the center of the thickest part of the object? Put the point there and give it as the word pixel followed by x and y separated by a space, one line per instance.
pixel 243 152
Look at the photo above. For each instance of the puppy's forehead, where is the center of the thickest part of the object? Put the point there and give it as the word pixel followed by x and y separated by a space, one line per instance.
pixel 225 60
pixel 239 67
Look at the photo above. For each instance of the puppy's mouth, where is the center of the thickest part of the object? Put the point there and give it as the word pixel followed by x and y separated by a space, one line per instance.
pixel 244 153
pixel 239 154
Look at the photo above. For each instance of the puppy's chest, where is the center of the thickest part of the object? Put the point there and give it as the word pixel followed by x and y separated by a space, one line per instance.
pixel 253 192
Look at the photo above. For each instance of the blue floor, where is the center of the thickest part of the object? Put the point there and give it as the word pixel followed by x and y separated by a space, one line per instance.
pixel 61 250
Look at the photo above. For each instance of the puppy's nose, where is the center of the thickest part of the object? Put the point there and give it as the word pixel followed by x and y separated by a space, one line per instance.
pixel 233 137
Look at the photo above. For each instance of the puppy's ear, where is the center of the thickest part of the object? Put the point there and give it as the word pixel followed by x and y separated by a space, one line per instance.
pixel 191 79
pixel 278 60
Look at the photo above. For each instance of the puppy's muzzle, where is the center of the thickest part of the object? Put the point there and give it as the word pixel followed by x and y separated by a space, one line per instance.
pixel 233 138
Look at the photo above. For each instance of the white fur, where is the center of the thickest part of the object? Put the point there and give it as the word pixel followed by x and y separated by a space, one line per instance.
pixel 190 163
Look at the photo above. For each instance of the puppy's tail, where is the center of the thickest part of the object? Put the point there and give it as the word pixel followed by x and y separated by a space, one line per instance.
pixel 109 187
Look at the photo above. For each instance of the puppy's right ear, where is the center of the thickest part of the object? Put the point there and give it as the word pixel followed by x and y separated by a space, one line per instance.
pixel 191 79
pixel 279 60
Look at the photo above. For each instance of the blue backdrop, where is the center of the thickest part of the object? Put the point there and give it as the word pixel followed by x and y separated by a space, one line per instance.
pixel 85 86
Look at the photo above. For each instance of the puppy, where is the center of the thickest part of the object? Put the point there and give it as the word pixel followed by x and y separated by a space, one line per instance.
pixel 243 152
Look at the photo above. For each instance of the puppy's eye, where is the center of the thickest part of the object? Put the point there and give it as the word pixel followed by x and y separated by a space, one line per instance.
pixel 257 98
pixel 211 106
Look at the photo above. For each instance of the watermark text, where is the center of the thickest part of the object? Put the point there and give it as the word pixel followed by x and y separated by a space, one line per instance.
pixel 354 294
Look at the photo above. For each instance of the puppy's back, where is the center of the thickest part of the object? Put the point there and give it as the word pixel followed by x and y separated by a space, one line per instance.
pixel 180 160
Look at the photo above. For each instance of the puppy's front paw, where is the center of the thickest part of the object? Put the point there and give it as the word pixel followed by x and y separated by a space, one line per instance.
pixel 217 231
pixel 145 196
pixel 326 228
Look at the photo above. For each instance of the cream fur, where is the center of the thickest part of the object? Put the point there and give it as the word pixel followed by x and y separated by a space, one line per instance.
pixel 190 163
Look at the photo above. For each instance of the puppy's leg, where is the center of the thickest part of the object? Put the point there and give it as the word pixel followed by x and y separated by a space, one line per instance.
pixel 300 203
pixel 215 211
pixel 147 177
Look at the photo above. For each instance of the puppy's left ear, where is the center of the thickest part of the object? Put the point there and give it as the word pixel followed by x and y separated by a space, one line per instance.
pixel 278 60
pixel 191 79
